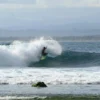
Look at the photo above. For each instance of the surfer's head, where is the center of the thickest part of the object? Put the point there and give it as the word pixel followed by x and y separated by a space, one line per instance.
pixel 44 47
pixel 44 51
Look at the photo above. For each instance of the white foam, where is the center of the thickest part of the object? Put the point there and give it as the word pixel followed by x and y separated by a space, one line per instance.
pixel 50 75
pixel 21 97
pixel 21 53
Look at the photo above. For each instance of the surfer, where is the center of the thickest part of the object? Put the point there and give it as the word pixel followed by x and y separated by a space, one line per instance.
pixel 44 51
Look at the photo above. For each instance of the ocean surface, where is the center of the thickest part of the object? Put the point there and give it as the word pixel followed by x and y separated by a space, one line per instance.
pixel 66 63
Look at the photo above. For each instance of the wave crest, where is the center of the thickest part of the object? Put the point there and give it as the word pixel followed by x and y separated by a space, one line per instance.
pixel 21 53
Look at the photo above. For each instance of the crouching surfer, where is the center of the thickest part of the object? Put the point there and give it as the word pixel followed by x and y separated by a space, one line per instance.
pixel 44 54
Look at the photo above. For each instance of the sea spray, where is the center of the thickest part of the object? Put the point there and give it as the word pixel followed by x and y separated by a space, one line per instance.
pixel 21 53
pixel 79 63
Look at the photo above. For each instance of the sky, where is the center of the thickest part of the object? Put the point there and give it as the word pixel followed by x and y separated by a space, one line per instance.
pixel 49 17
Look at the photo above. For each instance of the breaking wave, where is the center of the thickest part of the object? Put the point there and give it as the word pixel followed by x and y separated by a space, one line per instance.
pixel 21 53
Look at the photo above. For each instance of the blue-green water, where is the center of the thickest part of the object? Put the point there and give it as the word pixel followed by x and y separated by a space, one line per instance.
pixel 74 54
pixel 66 63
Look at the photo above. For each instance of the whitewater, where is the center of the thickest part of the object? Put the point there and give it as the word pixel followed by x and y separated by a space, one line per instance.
pixel 66 63
pixel 20 53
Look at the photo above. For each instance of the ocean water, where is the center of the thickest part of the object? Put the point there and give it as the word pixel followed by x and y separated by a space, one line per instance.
pixel 66 63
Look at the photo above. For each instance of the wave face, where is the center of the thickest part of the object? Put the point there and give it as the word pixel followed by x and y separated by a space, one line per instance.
pixel 73 62
pixel 21 53
pixel 71 58
pixel 75 54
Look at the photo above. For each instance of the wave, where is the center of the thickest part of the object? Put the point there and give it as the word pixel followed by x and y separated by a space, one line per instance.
pixel 20 53
pixel 70 58
pixel 53 76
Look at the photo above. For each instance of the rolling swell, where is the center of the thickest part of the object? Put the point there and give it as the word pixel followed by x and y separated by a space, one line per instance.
pixel 70 59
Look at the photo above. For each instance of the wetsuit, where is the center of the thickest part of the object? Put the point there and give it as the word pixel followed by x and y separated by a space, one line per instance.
pixel 43 51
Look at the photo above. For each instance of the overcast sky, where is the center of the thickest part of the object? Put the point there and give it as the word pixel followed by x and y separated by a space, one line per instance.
pixel 49 17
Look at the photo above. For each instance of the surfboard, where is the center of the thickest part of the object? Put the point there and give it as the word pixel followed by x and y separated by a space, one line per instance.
pixel 43 57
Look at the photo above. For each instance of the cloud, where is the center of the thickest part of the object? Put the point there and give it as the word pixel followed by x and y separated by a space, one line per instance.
pixel 18 4
pixel 49 3
pixel 17 1
pixel 72 3
pixel 39 4
pixel 15 6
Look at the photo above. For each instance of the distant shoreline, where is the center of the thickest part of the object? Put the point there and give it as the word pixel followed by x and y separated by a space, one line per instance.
pixel 95 38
